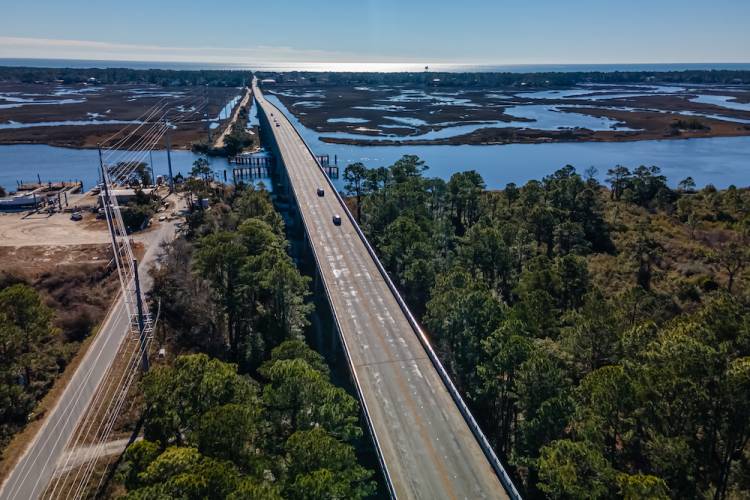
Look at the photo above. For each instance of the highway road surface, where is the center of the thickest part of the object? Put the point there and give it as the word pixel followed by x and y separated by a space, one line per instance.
pixel 425 445
pixel 31 474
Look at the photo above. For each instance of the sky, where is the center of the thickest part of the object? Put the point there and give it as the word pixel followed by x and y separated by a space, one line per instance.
pixel 387 31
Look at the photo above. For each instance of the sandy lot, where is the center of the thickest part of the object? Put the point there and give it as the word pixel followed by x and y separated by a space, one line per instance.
pixel 17 230
pixel 20 230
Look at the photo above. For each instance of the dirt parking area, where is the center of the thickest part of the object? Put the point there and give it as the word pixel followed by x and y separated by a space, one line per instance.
pixel 20 230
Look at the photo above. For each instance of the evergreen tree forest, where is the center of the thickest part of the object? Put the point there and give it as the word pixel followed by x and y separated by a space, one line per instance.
pixel 242 408
pixel 599 332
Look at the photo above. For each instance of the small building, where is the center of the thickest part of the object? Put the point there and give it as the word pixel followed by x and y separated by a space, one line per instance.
pixel 267 81
pixel 125 195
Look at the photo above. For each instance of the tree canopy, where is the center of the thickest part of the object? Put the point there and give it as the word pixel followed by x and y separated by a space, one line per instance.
pixel 599 335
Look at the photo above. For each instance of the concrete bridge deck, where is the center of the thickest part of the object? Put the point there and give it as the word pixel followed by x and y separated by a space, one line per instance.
pixel 427 446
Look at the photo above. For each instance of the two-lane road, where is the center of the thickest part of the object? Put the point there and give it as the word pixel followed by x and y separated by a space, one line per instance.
pixel 425 445
pixel 34 470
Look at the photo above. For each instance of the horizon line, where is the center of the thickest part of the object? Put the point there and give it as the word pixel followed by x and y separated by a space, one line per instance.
pixel 367 63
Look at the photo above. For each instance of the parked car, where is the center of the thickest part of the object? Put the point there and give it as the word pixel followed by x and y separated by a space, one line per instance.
pixel 321 192
pixel 76 216
pixel 336 219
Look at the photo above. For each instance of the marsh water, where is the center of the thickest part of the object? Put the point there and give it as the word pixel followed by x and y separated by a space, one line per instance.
pixel 718 161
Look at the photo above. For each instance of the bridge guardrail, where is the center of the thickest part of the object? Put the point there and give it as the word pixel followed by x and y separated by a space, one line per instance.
pixel 363 402
pixel 489 453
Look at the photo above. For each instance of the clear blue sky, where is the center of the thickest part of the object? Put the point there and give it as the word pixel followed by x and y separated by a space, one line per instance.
pixel 468 31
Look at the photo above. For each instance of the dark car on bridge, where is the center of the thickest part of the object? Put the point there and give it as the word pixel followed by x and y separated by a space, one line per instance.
pixel 337 219
pixel 321 192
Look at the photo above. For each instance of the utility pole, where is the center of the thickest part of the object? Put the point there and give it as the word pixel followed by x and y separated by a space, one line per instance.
pixel 169 159
pixel 105 201
pixel 205 113
pixel 151 163
pixel 141 323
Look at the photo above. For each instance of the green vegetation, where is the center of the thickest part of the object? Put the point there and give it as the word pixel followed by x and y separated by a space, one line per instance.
pixel 692 124
pixel 141 173
pixel 213 433
pixel 139 210
pixel 43 320
pixel 252 413
pixel 235 141
pixel 232 290
pixel 228 78
pixel 238 138
pixel 28 355
pixel 167 78
pixel 601 336
pixel 529 80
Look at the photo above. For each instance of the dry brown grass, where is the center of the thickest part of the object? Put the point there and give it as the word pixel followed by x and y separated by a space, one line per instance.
pixel 80 291
pixel 67 485
pixel 683 261
pixel 90 430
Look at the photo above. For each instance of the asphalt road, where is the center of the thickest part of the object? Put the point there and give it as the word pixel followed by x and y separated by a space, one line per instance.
pixel 424 442
pixel 31 474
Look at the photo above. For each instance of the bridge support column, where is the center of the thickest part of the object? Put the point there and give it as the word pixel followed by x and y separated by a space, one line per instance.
pixel 317 323
pixel 335 340
pixel 317 288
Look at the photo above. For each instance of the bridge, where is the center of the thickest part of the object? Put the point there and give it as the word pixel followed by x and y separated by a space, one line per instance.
pixel 428 443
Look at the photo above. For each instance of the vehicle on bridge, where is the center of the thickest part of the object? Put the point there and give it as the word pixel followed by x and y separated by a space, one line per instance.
pixel 403 387
pixel 321 192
